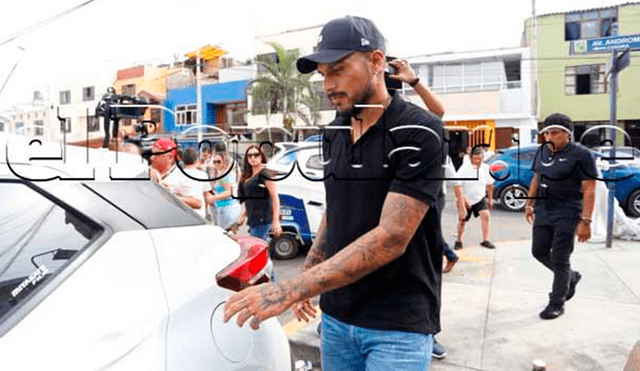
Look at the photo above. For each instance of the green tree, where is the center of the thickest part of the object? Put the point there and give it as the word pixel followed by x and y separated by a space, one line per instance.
pixel 281 88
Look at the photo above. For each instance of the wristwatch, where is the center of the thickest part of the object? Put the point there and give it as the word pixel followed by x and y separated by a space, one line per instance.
pixel 585 220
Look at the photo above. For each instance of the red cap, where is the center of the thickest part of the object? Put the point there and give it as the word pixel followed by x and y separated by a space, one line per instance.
pixel 165 144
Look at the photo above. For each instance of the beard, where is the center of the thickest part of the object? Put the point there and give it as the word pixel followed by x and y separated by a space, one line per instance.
pixel 361 97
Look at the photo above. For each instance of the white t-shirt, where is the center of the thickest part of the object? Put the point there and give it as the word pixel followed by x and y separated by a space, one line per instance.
pixel 474 188
pixel 181 185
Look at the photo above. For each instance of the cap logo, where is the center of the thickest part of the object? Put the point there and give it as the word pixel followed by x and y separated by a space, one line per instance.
pixel 364 42
pixel 319 38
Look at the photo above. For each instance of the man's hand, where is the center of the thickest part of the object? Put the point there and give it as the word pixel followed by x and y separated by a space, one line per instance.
pixel 258 303
pixel 583 231
pixel 404 72
pixel 528 215
pixel 304 310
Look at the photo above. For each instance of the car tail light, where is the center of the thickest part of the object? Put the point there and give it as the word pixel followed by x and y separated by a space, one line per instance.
pixel 496 167
pixel 250 268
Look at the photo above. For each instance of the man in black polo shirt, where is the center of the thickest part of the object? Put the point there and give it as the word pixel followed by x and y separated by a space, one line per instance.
pixel 563 189
pixel 376 260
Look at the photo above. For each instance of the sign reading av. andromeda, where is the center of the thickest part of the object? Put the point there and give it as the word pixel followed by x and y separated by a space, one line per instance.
pixel 605 44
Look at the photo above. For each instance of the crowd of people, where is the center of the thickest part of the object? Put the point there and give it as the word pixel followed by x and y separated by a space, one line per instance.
pixel 206 182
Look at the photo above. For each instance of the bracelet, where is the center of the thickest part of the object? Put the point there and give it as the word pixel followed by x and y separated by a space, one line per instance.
pixel 585 220
pixel 414 82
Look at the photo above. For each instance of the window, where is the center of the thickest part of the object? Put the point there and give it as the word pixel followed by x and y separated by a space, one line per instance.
pixel 129 89
pixel 37 239
pixel 591 24
pixel 19 127
pixel 187 114
pixel 38 128
pixel 156 116
pixel 65 97
pixel 88 93
pixel 93 123
pixel 65 125
pixel 587 79
pixel 1 126
pixel 473 76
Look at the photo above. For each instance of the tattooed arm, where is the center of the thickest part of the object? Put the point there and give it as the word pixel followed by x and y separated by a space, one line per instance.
pixel 304 309
pixel 316 253
pixel 401 216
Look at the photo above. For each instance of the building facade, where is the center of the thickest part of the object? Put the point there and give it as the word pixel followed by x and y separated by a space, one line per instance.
pixel 72 106
pixel 575 82
pixel 489 93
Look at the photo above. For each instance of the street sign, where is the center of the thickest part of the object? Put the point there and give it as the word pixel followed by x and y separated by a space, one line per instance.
pixel 605 44
pixel 624 60
pixel 618 63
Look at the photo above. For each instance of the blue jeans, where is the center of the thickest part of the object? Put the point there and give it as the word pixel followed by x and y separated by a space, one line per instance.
pixel 347 347
pixel 260 231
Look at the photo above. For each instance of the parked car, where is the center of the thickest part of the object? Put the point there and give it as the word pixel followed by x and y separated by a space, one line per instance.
pixel 299 172
pixel 623 154
pixel 511 169
pixel 104 274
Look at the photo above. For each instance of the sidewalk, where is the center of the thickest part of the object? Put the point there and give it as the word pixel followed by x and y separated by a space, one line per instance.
pixel 490 306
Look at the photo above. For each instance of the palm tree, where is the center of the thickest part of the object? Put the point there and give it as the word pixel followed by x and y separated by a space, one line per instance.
pixel 283 89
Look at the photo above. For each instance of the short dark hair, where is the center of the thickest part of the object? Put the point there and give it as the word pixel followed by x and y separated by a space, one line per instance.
pixel 477 151
pixel 189 156
pixel 220 148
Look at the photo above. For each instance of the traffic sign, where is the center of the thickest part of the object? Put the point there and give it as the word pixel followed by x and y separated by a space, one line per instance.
pixel 605 44
pixel 618 62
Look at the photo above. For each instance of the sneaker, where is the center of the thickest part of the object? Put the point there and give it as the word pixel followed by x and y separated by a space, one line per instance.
pixel 572 286
pixel 457 245
pixel 552 311
pixel 488 244
pixel 438 351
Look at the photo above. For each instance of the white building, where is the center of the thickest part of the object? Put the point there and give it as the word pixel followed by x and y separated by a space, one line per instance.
pixel 74 99
pixel 489 88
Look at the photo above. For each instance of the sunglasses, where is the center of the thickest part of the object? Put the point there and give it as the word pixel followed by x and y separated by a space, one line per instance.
pixel 217 162
pixel 255 154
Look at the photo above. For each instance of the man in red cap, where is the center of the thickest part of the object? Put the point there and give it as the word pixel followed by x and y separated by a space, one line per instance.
pixel 164 170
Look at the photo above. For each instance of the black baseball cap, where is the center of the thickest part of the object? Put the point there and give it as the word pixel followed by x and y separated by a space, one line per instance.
pixel 557 121
pixel 341 37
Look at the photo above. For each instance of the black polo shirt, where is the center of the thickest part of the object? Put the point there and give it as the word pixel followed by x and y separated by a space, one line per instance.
pixel 560 177
pixel 401 153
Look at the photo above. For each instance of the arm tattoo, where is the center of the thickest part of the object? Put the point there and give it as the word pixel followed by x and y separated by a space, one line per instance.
pixel 401 216
pixel 316 254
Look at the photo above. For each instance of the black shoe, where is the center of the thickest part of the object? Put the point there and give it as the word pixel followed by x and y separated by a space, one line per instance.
pixel 552 311
pixel 572 286
pixel 457 245
pixel 488 244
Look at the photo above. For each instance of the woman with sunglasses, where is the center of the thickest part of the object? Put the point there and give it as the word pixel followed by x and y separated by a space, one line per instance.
pixel 259 195
pixel 227 208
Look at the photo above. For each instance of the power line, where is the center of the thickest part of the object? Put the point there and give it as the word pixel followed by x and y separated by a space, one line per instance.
pixel 45 22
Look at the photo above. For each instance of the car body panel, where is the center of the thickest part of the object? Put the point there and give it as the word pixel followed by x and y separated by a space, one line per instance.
pixel 69 331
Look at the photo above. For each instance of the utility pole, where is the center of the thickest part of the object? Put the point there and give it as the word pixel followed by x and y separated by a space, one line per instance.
pixel 199 120
pixel 613 118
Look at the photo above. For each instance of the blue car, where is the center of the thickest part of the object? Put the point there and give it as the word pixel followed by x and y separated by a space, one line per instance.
pixel 511 169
